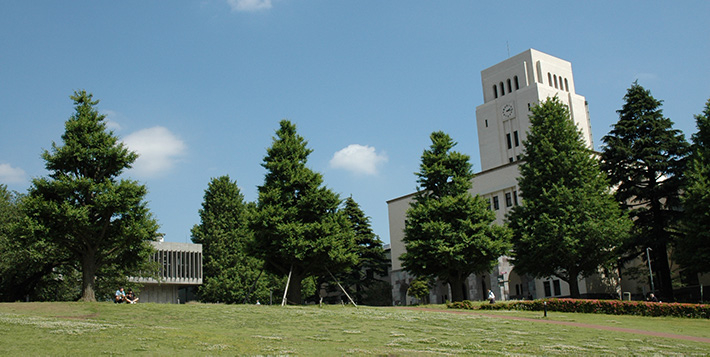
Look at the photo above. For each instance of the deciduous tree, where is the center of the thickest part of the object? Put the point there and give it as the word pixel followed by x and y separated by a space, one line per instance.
pixel 568 225
pixel 448 232
pixel 644 158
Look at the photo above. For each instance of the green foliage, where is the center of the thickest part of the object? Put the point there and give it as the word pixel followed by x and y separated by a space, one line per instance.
pixel 610 307
pixel 298 227
pixel 693 249
pixel 644 157
pixel 568 224
pixel 230 274
pixel 102 223
pixel 448 232
pixel 419 288
pixel 371 256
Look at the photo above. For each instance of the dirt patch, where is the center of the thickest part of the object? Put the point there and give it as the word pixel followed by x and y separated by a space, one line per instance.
pixel 567 323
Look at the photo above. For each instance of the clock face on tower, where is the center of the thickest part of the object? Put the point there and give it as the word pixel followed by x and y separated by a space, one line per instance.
pixel 507 111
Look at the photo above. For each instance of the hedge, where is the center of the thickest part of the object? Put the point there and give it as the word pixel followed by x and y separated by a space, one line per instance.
pixel 611 307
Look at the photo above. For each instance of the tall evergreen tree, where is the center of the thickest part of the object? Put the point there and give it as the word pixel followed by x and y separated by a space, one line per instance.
pixel 693 249
pixel 230 274
pixel 371 255
pixel 568 225
pixel 644 158
pixel 298 228
pixel 82 207
pixel 448 232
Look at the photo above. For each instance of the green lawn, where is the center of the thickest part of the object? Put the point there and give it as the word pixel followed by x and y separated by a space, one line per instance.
pixel 205 329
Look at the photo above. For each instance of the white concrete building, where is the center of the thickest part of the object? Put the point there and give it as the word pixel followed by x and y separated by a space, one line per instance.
pixel 510 89
pixel 180 273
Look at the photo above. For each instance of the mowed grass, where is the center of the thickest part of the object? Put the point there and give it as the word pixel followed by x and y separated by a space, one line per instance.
pixel 212 329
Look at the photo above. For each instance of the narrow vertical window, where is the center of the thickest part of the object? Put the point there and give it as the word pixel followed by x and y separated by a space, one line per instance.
pixel 548 290
pixel 554 77
pixel 495 91
pixel 486 123
pixel 556 286
pixel 510 88
pixel 516 140
pixel 566 85
pixel 517 84
pixel 549 79
pixel 496 206
pixel 508 199
pixel 510 143
pixel 502 89
pixel 489 204
pixel 515 198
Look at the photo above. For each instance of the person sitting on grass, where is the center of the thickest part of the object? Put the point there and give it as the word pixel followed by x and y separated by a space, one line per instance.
pixel 120 296
pixel 131 298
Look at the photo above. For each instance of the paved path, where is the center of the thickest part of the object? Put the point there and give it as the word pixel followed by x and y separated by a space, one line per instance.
pixel 566 323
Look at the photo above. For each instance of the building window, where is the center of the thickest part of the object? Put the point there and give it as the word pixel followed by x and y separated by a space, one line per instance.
pixel 495 91
pixel 517 84
pixel 489 203
pixel 508 199
pixel 515 198
pixel 510 142
pixel 548 291
pixel 510 88
pixel 549 79
pixel 502 89
pixel 566 85
pixel 554 77
pixel 496 206
pixel 556 286
pixel 510 159
pixel 516 139
pixel 486 123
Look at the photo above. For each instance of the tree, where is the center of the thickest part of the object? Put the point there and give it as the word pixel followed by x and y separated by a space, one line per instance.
pixel 371 255
pixel 644 158
pixel 82 207
pixel 230 274
pixel 298 227
pixel 419 288
pixel 448 232
pixel 693 249
pixel 568 225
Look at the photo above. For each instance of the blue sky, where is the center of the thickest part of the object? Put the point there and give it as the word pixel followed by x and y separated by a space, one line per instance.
pixel 198 87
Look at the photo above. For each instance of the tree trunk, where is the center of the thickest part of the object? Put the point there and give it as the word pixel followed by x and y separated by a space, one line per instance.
pixel 573 282
pixel 456 285
pixel 88 274
pixel 663 271
pixel 294 290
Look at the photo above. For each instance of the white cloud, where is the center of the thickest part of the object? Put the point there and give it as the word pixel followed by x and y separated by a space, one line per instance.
pixel 249 5
pixel 159 150
pixel 111 122
pixel 358 159
pixel 9 174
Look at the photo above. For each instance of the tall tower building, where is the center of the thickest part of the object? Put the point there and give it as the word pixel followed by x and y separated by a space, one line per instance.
pixel 510 89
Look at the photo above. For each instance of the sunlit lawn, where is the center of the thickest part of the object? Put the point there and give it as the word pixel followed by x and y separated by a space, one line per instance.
pixel 204 329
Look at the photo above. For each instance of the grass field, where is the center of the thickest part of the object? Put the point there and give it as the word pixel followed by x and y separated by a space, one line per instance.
pixel 207 329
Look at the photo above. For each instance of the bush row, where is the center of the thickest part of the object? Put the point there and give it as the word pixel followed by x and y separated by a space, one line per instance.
pixel 612 307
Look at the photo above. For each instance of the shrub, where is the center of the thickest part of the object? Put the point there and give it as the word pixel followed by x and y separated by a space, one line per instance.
pixel 611 307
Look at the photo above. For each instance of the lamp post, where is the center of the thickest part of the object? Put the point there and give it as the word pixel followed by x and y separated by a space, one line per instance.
pixel 650 272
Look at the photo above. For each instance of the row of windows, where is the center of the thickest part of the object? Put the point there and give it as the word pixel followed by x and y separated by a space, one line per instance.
pixel 556 82
pixel 178 264
pixel 555 286
pixel 511 199
pixel 499 89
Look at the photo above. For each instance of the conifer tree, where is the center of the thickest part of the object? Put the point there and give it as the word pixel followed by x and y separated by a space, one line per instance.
pixel 448 232
pixel 371 255
pixel 568 225
pixel 693 249
pixel 84 208
pixel 644 158
pixel 298 228
pixel 230 274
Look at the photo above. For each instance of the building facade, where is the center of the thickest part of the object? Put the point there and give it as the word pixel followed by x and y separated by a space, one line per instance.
pixel 510 89
pixel 180 272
